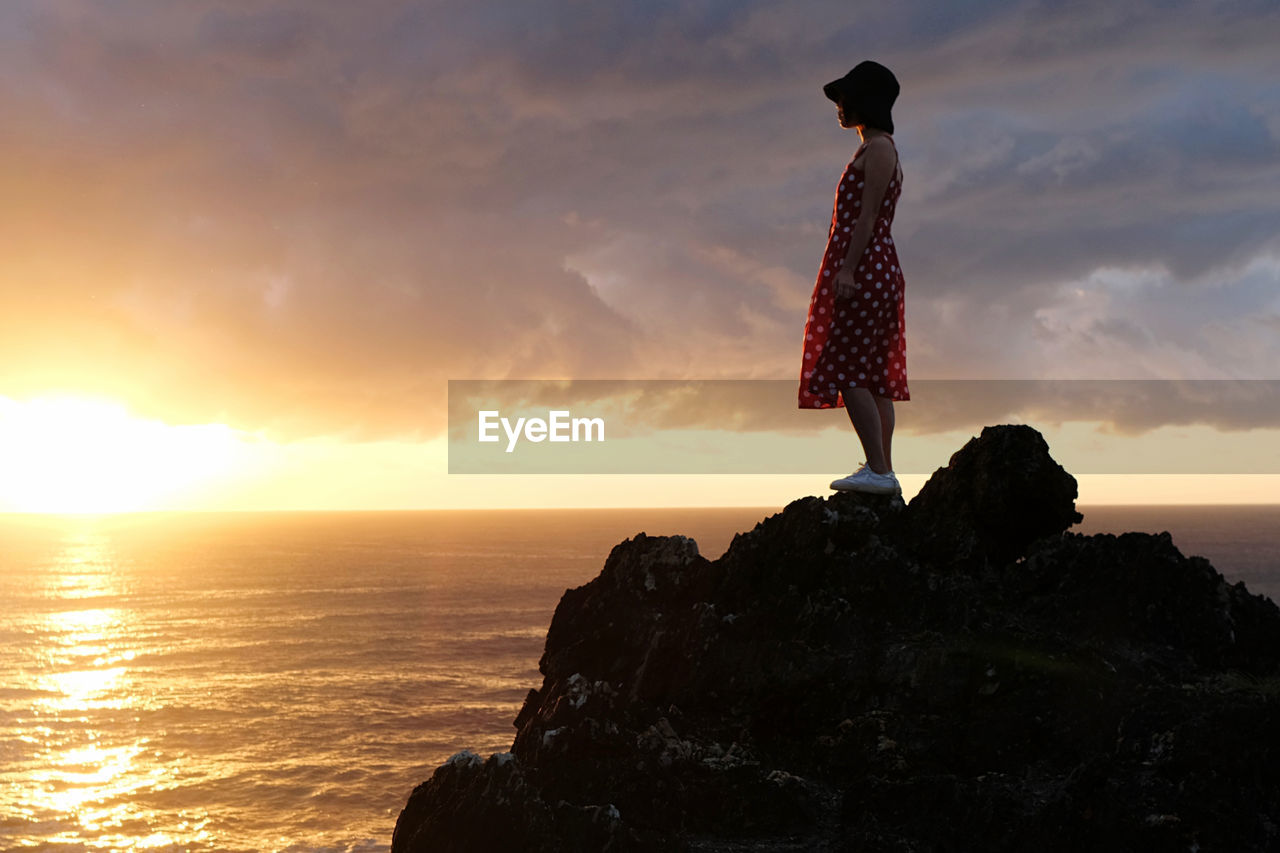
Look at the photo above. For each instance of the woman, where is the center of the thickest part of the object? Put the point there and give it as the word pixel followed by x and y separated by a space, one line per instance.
pixel 855 337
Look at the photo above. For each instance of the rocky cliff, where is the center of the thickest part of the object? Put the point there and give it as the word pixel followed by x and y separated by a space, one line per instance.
pixel 957 674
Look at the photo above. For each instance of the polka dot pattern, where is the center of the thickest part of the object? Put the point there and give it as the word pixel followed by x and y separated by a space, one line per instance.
pixel 867 330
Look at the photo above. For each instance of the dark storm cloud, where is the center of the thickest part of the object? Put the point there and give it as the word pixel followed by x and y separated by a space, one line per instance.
pixel 271 36
pixel 308 216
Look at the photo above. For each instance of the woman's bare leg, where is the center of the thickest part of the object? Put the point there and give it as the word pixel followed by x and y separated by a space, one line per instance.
pixel 864 413
pixel 885 405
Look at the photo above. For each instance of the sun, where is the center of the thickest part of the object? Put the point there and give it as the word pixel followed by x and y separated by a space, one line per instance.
pixel 75 454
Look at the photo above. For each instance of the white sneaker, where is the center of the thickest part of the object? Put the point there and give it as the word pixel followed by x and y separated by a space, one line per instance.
pixel 837 484
pixel 866 480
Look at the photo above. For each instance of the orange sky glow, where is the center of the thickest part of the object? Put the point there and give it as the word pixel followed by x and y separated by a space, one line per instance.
pixel 68 454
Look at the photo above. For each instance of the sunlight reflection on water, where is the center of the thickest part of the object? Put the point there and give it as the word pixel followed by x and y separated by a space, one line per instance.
pixel 80 770
pixel 227 688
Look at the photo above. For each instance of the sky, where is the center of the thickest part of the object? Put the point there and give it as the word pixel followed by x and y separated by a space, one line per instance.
pixel 272 232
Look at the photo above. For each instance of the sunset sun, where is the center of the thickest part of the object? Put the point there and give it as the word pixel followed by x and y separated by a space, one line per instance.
pixel 70 454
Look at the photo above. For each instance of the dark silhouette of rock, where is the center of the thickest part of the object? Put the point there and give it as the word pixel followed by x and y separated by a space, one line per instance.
pixel 1002 490
pixel 960 674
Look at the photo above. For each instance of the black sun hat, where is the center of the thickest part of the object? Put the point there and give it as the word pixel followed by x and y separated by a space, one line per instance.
pixel 869 90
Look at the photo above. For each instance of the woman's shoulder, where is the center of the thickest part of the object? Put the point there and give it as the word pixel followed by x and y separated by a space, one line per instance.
pixel 883 142
pixel 874 147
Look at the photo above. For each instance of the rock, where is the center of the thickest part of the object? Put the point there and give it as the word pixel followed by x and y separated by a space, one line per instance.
pixel 469 805
pixel 998 494
pixel 960 673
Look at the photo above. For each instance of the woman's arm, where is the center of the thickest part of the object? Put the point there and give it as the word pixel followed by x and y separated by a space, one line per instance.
pixel 881 161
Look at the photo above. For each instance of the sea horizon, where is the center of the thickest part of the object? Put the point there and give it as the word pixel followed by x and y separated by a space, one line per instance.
pixel 365 510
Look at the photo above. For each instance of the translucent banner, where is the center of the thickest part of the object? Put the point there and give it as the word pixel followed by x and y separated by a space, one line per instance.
pixel 740 426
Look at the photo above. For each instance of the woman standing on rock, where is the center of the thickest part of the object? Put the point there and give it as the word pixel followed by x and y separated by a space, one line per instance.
pixel 855 337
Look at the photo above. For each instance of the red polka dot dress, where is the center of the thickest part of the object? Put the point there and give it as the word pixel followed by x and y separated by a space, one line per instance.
pixel 859 341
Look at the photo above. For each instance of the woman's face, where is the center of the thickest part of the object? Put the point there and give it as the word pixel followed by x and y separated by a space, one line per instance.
pixel 845 113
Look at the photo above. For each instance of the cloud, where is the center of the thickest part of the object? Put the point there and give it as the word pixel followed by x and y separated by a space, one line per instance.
pixel 306 217
pixel 1073 154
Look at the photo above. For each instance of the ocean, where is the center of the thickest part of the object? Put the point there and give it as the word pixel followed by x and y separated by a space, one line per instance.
pixel 281 681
